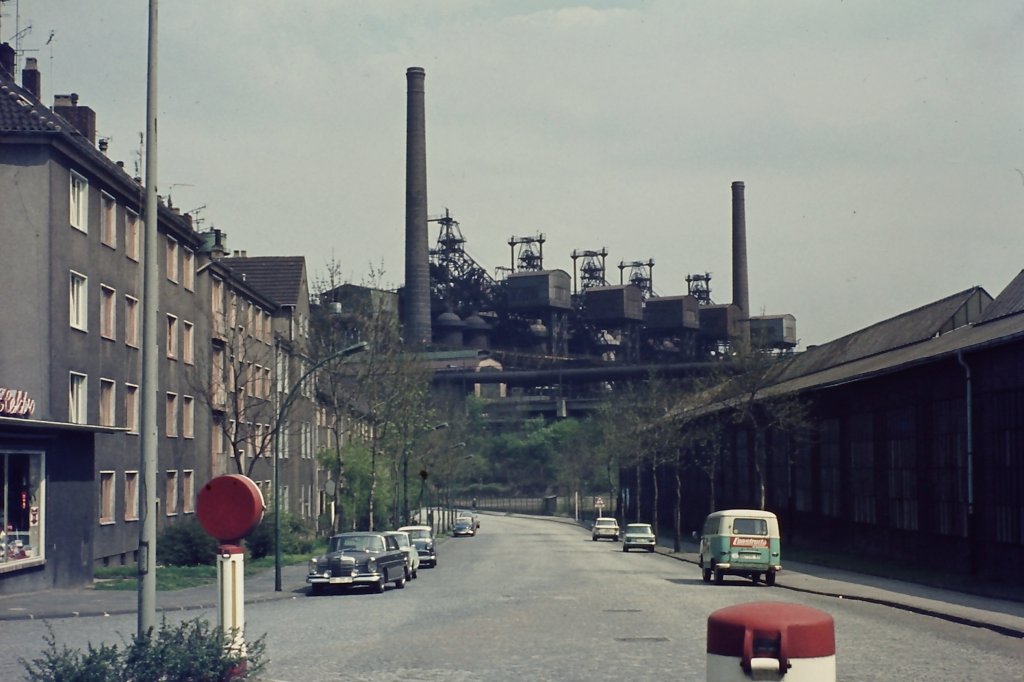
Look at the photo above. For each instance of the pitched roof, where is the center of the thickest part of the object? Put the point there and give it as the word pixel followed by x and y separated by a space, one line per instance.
pixel 1009 302
pixel 904 330
pixel 279 277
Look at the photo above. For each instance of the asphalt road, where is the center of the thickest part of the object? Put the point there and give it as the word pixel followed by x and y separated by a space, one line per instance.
pixel 529 599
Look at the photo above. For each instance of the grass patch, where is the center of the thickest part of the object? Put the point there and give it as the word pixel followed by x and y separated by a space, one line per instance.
pixel 170 578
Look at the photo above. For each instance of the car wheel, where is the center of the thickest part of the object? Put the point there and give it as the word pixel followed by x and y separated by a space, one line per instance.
pixel 400 583
pixel 625 549
pixel 706 575
pixel 316 589
pixel 769 578
pixel 407 574
pixel 650 549
pixel 414 574
pixel 594 538
pixel 378 586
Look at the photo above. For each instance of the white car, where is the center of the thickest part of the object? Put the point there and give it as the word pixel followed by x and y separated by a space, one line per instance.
pixel 638 536
pixel 605 527
pixel 412 557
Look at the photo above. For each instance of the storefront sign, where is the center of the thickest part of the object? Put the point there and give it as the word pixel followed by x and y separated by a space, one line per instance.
pixel 16 403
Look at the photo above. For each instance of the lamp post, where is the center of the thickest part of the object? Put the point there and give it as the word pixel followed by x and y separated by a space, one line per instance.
pixel 405 473
pixel 289 398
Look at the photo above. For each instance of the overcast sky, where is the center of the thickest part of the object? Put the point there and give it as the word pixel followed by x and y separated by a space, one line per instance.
pixel 880 141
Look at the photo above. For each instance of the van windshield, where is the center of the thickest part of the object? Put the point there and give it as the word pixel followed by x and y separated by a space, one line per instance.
pixel 749 527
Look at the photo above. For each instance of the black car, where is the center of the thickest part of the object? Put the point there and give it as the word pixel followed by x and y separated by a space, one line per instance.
pixel 463 527
pixel 372 559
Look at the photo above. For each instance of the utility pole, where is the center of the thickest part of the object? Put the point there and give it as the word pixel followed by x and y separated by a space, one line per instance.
pixel 150 384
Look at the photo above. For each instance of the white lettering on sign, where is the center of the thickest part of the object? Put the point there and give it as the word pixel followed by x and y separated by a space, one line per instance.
pixel 16 403
pixel 755 543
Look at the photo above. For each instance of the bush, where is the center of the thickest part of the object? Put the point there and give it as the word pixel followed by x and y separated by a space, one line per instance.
pixel 191 650
pixel 296 537
pixel 186 544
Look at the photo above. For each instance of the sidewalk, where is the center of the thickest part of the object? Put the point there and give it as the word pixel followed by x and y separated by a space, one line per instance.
pixel 1002 616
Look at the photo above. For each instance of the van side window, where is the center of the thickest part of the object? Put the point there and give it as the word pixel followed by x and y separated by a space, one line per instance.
pixel 749 527
pixel 711 526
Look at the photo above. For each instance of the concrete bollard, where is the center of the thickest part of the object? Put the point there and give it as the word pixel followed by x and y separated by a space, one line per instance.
pixel 771 641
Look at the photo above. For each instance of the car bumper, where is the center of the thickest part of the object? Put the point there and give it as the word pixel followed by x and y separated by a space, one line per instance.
pixel 605 536
pixel 638 544
pixel 357 579
pixel 737 567
pixel 427 557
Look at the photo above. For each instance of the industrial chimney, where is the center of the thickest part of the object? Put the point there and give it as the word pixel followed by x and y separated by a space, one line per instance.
pixel 740 293
pixel 416 311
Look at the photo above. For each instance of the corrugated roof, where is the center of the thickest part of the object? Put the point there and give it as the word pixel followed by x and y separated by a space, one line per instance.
pixel 278 277
pixel 903 330
pixel 1009 302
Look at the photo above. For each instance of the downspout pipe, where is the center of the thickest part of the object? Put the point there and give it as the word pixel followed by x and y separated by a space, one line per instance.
pixel 969 406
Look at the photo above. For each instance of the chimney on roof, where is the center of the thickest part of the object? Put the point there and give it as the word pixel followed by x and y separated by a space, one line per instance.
pixel 7 59
pixel 83 118
pixel 31 80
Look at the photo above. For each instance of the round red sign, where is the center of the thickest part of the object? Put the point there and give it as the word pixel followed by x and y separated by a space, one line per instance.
pixel 229 507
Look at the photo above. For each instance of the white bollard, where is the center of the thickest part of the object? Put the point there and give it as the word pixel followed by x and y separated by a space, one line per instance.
pixel 771 641
pixel 231 599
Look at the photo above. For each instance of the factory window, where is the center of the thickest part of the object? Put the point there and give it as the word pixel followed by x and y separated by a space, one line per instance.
pixel 78 398
pixel 830 479
pixel 108 310
pixel 108 220
pixel 171 493
pixel 107 411
pixel 862 468
pixel 947 473
pixel 79 202
pixel 78 299
pixel 131 496
pixel 131 235
pixel 106 497
pixel 901 472
pixel 21 516
pixel 131 321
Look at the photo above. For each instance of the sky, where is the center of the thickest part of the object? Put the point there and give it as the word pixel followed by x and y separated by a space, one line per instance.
pixel 881 143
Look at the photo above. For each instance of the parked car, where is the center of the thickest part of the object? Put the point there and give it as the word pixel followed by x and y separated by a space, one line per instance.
pixel 423 540
pixel 372 559
pixel 638 536
pixel 463 527
pixel 740 542
pixel 412 556
pixel 605 527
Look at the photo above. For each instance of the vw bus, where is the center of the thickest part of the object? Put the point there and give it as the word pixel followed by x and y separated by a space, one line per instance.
pixel 740 542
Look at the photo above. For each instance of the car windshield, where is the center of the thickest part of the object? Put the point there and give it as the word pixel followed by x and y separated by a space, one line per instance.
pixel 419 534
pixel 360 543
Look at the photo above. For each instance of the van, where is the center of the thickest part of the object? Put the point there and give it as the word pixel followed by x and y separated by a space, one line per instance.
pixel 740 542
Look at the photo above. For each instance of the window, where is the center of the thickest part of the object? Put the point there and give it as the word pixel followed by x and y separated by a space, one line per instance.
pixel 131 408
pixel 171 415
pixel 107 412
pixel 21 481
pixel 188 343
pixel 78 297
pixel 217 376
pixel 131 235
pixel 188 416
pixel 106 497
pixel 108 307
pixel 131 496
pixel 171 493
pixel 188 493
pixel 77 399
pixel 172 260
pixel 108 220
pixel 217 305
pixel 172 336
pixel 131 321
pixel 79 203
pixel 188 271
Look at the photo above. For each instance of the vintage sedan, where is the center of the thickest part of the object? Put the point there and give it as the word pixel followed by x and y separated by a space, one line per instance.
pixel 412 557
pixel 372 559
pixel 638 536
pixel 423 539
pixel 463 527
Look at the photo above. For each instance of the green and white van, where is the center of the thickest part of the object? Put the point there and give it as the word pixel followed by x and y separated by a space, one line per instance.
pixel 740 542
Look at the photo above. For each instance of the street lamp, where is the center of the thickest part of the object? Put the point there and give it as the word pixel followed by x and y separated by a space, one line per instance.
pixel 405 473
pixel 293 392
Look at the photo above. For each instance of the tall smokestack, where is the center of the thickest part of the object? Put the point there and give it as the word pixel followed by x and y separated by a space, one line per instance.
pixel 417 267
pixel 740 293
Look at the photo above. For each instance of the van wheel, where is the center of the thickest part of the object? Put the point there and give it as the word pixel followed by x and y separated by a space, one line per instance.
pixel 769 578
pixel 719 577
pixel 754 577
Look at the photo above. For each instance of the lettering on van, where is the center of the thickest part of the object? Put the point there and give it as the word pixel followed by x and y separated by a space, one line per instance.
pixel 754 543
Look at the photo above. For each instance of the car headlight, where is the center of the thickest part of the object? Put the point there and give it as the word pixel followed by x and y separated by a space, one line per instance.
pixel 313 564
pixel 371 564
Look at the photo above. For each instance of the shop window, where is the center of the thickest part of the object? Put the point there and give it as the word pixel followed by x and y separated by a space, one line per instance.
pixel 21 513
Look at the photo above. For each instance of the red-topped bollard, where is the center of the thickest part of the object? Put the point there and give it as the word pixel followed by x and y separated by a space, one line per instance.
pixel 771 641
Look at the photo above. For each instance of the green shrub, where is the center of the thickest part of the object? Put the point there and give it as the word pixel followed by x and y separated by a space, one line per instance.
pixel 296 537
pixel 191 650
pixel 186 544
